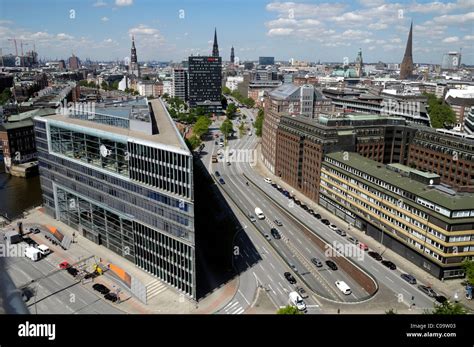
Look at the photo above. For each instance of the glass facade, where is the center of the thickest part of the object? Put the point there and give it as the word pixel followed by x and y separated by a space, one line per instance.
pixel 134 199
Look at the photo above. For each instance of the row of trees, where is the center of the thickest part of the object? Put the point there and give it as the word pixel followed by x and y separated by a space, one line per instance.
pixel 258 124
pixel 249 102
pixel 440 112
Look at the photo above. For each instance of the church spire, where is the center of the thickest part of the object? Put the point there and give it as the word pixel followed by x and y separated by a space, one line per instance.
pixel 215 47
pixel 406 68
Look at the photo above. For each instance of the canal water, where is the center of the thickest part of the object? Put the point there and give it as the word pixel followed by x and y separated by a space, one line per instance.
pixel 18 194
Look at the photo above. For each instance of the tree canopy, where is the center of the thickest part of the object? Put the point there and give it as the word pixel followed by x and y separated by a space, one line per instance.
pixel 440 112
pixel 201 126
pixel 289 310
pixel 449 308
pixel 258 124
pixel 227 128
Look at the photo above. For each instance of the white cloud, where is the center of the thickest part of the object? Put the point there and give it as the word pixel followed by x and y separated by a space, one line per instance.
pixel 298 11
pixel 63 37
pixel 468 38
pixel 143 29
pixel 104 19
pixel 455 19
pixel 371 3
pixel 123 2
pixel 280 31
pixel 451 39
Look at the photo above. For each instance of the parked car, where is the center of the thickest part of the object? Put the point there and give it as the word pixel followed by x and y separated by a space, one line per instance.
pixel 217 173
pixel 221 181
pixel 389 264
pixel 268 180
pixel 111 297
pixel 316 262
pixel 289 277
pixel 101 288
pixel 64 265
pixel 375 255
pixel 275 233
pixel 277 222
pixel 409 278
pixel 363 246
pixel 302 293
pixel 317 215
pixel 72 271
pixel 353 240
pixel 216 143
pixel 341 232
pixel 325 221
pixel 274 185
pixel 332 265
pixel 252 218
pixel 333 227
pixel 297 202
pixel 311 211
pixel 304 207
pixel 441 299
pixel 36 231
pixel 427 290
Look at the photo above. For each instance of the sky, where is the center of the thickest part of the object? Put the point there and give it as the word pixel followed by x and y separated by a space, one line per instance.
pixel 175 29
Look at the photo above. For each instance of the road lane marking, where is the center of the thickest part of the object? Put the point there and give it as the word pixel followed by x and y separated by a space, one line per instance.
pixel 389 279
pixel 248 303
pixel 273 266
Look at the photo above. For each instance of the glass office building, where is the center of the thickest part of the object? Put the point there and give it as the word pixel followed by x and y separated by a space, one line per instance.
pixel 123 177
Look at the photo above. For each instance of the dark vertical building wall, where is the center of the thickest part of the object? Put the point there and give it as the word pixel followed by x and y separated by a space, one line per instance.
pixel 205 80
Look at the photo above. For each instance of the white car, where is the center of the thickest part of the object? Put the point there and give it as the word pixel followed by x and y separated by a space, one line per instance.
pixel 333 227
pixel 297 301
pixel 343 287
pixel 268 180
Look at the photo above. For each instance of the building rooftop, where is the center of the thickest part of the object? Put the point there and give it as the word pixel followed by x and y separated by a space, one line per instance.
pixel 166 133
pixel 284 91
pixel 16 125
pixel 458 201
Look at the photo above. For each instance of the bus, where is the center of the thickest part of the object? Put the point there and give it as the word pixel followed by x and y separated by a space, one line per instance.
pixel 259 213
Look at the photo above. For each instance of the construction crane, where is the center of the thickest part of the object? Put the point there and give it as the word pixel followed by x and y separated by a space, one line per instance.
pixel 16 47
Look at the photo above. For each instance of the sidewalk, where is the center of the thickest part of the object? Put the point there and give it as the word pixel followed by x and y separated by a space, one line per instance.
pixel 167 301
pixel 447 288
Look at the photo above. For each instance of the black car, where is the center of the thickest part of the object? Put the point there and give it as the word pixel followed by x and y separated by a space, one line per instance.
pixel 274 185
pixel 111 297
pixel 317 215
pixel 389 264
pixel 311 211
pixel 325 221
pixel 305 207
pixel 441 299
pixel 409 278
pixel 375 255
pixel 297 202
pixel 221 181
pixel 72 271
pixel 332 265
pixel 217 173
pixel 428 291
pixel 216 143
pixel 289 277
pixel 101 288
pixel 275 233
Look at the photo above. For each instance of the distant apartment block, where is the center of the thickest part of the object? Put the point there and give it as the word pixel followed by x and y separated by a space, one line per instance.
pixel 180 84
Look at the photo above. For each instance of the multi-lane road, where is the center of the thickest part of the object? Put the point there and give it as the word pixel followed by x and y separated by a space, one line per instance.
pixel 267 259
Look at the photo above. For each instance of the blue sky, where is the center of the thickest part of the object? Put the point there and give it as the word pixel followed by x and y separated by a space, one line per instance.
pixel 303 30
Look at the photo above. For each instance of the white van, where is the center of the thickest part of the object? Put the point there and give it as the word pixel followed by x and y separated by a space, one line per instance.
pixel 32 253
pixel 343 287
pixel 297 301
pixel 44 250
pixel 259 213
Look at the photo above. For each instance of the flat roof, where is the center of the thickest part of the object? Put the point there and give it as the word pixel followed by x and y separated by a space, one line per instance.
pixel 167 134
pixel 408 169
pixel 459 201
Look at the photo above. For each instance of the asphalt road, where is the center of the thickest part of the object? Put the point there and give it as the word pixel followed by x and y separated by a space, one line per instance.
pixel 298 249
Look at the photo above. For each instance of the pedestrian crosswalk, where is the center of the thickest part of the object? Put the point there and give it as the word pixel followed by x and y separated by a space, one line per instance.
pixel 233 307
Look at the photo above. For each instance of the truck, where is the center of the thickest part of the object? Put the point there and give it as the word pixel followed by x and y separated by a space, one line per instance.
pixel 259 213
pixel 33 253
pixel 13 237
pixel 44 250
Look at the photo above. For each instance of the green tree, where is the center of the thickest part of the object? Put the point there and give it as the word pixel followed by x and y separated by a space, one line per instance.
pixel 226 91
pixel 227 128
pixel 258 124
pixel 104 85
pixel 449 308
pixel 115 85
pixel 289 310
pixel 249 102
pixel 5 96
pixel 468 266
pixel 201 126
pixel 165 96
pixel 193 142
pixel 440 112
pixel 391 311
pixel 231 111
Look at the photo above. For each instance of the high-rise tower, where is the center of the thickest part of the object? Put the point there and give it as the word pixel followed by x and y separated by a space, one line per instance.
pixel 215 47
pixel 406 69
pixel 232 56
pixel 359 64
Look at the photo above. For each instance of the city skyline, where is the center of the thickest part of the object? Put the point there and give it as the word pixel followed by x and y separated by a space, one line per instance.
pixel 102 30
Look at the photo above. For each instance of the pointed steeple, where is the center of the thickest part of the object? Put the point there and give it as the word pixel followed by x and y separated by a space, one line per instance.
pixel 406 68
pixel 215 47
pixel 133 54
